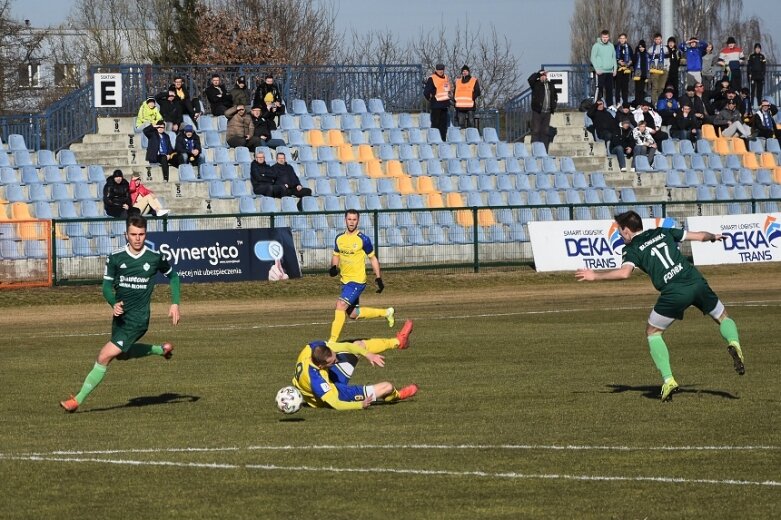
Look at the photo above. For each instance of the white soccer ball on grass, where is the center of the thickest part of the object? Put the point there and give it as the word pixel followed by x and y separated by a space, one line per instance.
pixel 289 400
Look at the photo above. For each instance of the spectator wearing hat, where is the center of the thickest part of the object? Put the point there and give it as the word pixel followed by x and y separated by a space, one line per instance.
pixel 269 98
pixel 762 122
pixel 733 57
pixel 667 107
pixel 241 131
pixel 170 109
pixel 116 196
pixel 437 93
pixel 239 93
pixel 623 143
pixel 730 121
pixel 262 129
pixel 694 50
pixel 218 96
pixel 673 56
pixel 624 113
pixel 188 146
pixel 757 66
pixel 603 59
pixel 641 70
pixel 543 104
pixel 687 98
pixel 148 114
pixel 160 150
pixel 467 90
pixel 604 126
pixel 143 199
pixel 744 105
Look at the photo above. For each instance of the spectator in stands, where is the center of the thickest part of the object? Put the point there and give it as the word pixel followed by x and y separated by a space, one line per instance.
pixel 657 56
pixel 241 131
pixel 188 146
pixel 694 50
pixel 642 68
pixel 239 93
pixel 170 109
pixel 604 125
pixel 264 177
pixel 673 56
pixel 744 105
pixel 757 65
pixel 688 97
pixel 708 66
pixel 733 57
pixel 685 125
pixel 644 141
pixel 148 114
pixel 160 150
pixel 116 196
pixel 190 107
pixel 268 97
pixel 653 121
pixel 722 73
pixel 625 60
pixel 623 143
pixel 218 96
pixel 667 107
pixel 287 178
pixel 544 100
pixel 437 92
pixel 467 91
pixel 730 121
pixel 763 123
pixel 624 113
pixel 143 199
pixel 603 59
pixel 723 97
pixel 701 106
pixel 262 129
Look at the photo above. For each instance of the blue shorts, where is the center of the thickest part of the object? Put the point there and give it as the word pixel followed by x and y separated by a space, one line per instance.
pixel 351 393
pixel 351 293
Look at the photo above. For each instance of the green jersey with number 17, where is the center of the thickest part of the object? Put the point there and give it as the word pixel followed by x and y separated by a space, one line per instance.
pixel 133 278
pixel 656 252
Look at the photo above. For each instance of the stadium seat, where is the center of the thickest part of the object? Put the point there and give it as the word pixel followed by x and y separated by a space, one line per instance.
pixel 46 158
pixel 96 173
pixel 405 121
pixel 376 106
pixel 357 106
pixel 424 120
pixel 704 147
pixel 387 122
pixel 454 135
pixel 472 136
pixel 490 135
pixel 538 149
pixel 16 143
pixel 641 164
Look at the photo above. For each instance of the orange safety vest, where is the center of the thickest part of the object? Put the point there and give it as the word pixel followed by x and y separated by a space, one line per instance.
pixel 442 84
pixel 464 93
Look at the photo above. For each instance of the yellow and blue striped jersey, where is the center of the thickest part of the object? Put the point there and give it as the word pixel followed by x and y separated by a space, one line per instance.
pixel 353 249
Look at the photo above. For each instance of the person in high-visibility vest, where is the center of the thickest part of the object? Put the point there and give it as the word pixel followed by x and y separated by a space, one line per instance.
pixel 437 92
pixel 466 94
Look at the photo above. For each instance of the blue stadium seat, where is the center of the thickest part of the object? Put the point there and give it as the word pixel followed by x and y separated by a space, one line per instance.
pixel 387 152
pixel 217 190
pixel 517 233
pixel 490 135
pixel 355 170
pixel 406 152
pixel 240 188
pixel 714 162
pixel 413 168
pixel 247 205
pixel 704 147
pixel 472 136
pixel 454 135
pixel 530 165
pixel 486 183
pixel 368 122
pixel 405 121
pixel 728 177
pixel 464 151
pixel 668 147
pixel 227 171
pixel 641 164
pixel 46 158
pixel 323 186
pixel 37 192
pixel 343 186
pixel 660 163
pixel 67 209
pixel 329 122
pixel 673 179
pixel 573 197
pixel 376 106
pixel 433 136
pixel 765 177
pixel 211 139
pixel 41 209
pixel 52 174
pixel 89 209
pixel 415 136
pixel 74 173
pixel 16 143
pixel 22 158
pixel 338 106
pixel 83 191
pixel 319 107
pixel 335 169
pixel 357 106
pixel 538 149
pixel 306 122
pixel 96 173
pixel 433 167
pixel 387 122
pixel 396 137
pixel 772 145
pixel 298 107
pixel 424 120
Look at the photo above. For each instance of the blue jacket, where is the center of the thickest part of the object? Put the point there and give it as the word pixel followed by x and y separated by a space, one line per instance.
pixel 693 55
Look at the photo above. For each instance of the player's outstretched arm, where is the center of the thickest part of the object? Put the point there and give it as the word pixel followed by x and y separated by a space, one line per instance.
pixel 173 312
pixel 589 275
pixel 703 236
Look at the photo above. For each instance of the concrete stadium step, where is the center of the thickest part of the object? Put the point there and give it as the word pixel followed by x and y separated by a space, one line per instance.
pixel 116 125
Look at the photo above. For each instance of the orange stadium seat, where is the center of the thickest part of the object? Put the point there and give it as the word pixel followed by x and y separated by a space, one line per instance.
pixel 365 153
pixel 406 186
pixel 435 200
pixel 708 132
pixel 777 174
pixel 464 218
pixel 738 145
pixel 335 137
pixel 768 160
pixel 721 145
pixel 426 185
pixel 374 169
pixel 750 161
pixel 393 168
pixel 455 200
pixel 315 138
pixel 485 217
pixel 345 153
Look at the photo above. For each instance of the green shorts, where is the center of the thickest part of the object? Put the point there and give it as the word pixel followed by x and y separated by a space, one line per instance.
pixel 124 333
pixel 678 297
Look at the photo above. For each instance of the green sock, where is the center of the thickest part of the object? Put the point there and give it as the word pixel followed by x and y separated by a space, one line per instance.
pixel 138 350
pixel 660 355
pixel 93 379
pixel 729 331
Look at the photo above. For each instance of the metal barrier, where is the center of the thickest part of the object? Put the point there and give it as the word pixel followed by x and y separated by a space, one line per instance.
pixel 452 243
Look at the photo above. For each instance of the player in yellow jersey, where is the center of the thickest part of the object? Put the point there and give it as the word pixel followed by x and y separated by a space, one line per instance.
pixel 324 369
pixel 351 249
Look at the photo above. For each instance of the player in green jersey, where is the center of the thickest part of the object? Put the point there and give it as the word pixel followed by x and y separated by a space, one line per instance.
pixel 128 281
pixel 680 284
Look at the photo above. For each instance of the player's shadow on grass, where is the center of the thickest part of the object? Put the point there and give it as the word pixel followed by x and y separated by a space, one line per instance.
pixel 150 400
pixel 652 392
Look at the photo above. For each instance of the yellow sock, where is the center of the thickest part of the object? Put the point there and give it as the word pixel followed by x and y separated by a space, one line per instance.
pixel 393 396
pixel 336 326
pixel 371 312
pixel 377 345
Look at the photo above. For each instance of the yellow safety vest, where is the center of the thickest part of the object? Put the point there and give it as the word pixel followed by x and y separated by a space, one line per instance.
pixel 442 84
pixel 464 93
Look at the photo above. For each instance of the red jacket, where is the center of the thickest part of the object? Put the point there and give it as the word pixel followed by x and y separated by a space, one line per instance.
pixel 137 189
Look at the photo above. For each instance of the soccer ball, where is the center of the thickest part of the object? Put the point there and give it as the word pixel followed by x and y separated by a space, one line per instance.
pixel 289 400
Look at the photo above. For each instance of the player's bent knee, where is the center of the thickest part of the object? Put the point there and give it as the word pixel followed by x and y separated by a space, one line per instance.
pixel 382 389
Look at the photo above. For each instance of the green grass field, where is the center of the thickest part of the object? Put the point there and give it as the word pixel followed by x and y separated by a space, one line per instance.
pixel 538 400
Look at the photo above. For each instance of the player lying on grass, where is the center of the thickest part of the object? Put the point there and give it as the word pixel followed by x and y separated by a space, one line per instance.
pixel 324 369
pixel 681 285
pixel 128 282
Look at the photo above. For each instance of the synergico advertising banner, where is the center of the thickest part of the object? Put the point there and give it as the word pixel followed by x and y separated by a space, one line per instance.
pixel 571 245
pixel 747 239
pixel 228 255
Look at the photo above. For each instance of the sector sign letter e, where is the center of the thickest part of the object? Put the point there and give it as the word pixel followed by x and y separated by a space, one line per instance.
pixel 108 90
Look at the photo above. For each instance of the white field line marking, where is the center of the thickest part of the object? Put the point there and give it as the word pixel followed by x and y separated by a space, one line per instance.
pixel 333 447
pixel 427 472
pixel 760 303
